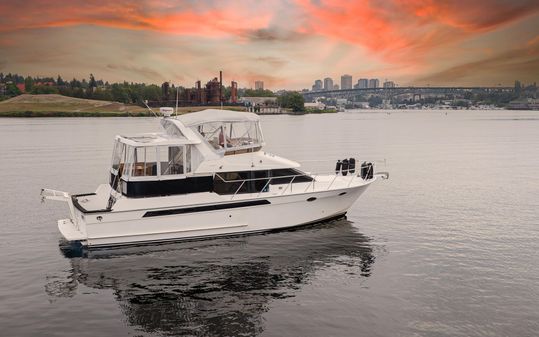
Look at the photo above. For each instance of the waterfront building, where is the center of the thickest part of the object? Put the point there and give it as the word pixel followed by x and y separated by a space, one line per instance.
pixel 374 83
pixel 389 84
pixel 259 85
pixel 328 84
pixel 346 82
pixel 336 87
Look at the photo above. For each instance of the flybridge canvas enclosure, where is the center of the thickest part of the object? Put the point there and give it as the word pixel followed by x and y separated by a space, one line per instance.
pixel 149 157
pixel 226 131
pixel 231 137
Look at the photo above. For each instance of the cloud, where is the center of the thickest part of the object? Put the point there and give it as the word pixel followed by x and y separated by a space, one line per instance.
pixel 283 42
pixel 402 31
pixel 145 72
pixel 522 63
pixel 271 35
pixel 274 62
pixel 209 21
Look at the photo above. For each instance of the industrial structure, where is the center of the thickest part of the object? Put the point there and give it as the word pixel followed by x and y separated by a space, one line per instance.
pixel 209 94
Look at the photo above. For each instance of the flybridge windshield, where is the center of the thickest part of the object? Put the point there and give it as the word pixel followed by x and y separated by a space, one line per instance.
pixel 231 136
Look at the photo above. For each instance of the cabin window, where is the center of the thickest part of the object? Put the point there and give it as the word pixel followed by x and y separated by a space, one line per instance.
pixel 172 159
pixel 255 181
pixel 145 162
pixel 231 182
pixel 288 175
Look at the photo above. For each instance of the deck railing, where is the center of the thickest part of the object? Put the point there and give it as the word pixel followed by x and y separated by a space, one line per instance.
pixel 289 185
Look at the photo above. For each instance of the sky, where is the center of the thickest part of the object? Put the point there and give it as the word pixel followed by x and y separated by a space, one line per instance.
pixel 285 43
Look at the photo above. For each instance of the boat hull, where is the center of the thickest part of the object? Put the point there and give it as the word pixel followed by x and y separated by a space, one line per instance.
pixel 247 216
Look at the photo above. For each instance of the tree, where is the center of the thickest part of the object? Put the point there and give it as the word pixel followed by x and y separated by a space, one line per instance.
pixel 12 90
pixel 28 84
pixel 44 89
pixel 292 100
pixel 92 84
pixel 59 81
pixel 257 93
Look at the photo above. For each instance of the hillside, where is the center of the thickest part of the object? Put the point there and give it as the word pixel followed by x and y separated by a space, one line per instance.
pixel 58 105
pixel 53 105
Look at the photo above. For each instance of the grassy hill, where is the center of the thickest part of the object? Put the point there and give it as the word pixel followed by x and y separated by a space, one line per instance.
pixel 58 105
pixel 53 105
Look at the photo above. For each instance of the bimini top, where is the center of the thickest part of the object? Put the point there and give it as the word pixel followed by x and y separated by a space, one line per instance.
pixel 215 115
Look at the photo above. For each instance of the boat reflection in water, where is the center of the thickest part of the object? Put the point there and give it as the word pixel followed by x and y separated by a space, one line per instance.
pixel 220 286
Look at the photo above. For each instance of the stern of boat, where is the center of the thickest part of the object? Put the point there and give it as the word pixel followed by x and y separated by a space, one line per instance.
pixel 73 228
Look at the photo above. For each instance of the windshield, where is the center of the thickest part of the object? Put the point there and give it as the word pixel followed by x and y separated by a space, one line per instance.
pixel 231 136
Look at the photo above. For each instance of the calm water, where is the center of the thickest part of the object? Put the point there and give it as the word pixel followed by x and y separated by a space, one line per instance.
pixel 448 246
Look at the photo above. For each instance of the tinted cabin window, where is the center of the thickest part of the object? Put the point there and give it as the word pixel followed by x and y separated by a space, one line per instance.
pixel 287 175
pixel 256 182
pixel 225 183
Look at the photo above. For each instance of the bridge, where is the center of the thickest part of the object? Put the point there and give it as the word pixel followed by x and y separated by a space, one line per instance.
pixel 414 92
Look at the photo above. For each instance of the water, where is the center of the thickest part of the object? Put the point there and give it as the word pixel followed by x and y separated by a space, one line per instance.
pixel 448 246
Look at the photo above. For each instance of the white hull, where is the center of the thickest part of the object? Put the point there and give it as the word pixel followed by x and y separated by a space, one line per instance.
pixel 281 211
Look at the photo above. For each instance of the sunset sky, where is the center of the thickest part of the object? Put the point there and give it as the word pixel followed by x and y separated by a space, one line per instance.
pixel 287 44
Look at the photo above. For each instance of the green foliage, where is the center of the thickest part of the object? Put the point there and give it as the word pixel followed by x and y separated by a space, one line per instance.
pixel 12 90
pixel 28 84
pixel 44 89
pixel 292 100
pixel 256 93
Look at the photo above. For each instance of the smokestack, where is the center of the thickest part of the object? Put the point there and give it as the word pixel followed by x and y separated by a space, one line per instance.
pixel 220 86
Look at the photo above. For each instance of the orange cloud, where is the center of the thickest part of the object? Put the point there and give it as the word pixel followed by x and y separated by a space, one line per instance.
pixel 134 15
pixel 403 30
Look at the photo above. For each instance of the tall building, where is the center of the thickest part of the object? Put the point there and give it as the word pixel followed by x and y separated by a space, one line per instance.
pixel 234 92
pixel 346 82
pixel 328 84
pixel 374 83
pixel 389 84
pixel 259 85
pixel 362 83
pixel 317 85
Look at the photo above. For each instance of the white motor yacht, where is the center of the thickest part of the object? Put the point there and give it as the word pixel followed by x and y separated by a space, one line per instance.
pixel 205 175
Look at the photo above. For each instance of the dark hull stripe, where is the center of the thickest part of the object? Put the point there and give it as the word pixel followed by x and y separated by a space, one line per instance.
pixel 206 208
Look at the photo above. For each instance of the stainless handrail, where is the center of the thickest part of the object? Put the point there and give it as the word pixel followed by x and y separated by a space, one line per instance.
pixel 313 177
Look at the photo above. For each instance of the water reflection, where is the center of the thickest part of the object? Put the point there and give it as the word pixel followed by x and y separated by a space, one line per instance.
pixel 216 287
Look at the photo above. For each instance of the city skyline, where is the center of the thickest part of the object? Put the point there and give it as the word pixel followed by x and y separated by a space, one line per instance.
pixel 285 44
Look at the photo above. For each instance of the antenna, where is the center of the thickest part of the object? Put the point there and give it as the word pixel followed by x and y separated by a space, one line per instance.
pixel 146 104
